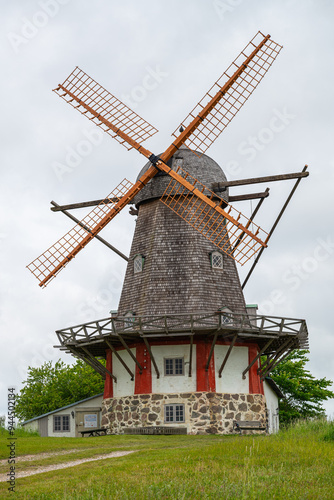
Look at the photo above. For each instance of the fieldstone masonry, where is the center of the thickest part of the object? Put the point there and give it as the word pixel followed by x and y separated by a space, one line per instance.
pixel 205 412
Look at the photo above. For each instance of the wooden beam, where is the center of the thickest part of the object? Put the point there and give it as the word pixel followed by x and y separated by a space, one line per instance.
pixel 277 354
pixel 89 231
pixel 112 348
pixel 148 347
pixel 83 204
pixel 227 355
pixel 285 355
pixel 257 208
pixel 274 226
pixel 256 358
pixel 86 360
pixel 191 355
pixel 221 186
pixel 124 344
pixel 98 364
pixel 211 350
pixel 250 196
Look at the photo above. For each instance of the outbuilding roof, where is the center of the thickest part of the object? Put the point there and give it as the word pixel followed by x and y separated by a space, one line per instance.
pixel 62 408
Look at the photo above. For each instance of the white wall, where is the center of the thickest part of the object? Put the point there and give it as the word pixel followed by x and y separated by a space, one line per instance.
pixel 231 379
pixel 91 403
pixel 124 385
pixel 176 383
pixel 272 406
pixel 32 426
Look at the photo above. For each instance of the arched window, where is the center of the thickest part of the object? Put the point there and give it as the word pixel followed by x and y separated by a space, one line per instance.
pixel 216 259
pixel 138 263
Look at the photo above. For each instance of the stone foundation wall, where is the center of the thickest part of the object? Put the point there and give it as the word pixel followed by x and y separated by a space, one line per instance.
pixel 205 412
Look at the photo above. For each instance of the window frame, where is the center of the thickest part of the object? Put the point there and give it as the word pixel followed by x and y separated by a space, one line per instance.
pixel 212 254
pixel 173 359
pixel 226 315
pixel 136 259
pixel 171 419
pixel 129 319
pixel 62 423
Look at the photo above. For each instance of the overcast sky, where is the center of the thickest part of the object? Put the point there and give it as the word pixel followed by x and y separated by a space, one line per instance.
pixel 161 56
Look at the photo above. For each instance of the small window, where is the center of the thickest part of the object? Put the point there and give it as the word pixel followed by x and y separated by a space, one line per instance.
pixel 61 423
pixel 174 366
pixel 129 319
pixel 174 413
pixel 226 316
pixel 216 259
pixel 138 263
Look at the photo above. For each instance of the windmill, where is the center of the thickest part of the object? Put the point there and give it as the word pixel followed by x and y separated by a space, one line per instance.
pixel 142 344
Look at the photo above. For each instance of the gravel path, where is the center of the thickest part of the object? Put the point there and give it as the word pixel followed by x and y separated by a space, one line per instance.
pixel 4 477
pixel 28 458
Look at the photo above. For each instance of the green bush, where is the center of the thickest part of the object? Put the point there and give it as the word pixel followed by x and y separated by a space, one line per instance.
pixel 18 432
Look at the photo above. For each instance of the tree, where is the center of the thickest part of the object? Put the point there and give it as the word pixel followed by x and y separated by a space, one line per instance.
pixel 304 394
pixel 50 387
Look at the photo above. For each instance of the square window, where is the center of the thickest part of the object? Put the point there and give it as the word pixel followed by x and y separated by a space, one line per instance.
pixel 174 366
pixel 61 423
pixel 174 413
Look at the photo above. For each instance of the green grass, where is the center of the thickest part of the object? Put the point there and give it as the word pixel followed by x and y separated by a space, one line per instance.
pixel 297 463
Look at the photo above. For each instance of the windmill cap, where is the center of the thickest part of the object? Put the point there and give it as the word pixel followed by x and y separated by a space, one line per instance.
pixel 203 168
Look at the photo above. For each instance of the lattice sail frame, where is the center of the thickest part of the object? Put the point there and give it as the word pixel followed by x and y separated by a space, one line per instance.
pixel 73 241
pixel 120 122
pixel 233 97
pixel 81 88
pixel 227 228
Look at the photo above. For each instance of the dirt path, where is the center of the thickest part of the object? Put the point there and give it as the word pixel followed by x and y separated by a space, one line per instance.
pixel 27 458
pixel 115 454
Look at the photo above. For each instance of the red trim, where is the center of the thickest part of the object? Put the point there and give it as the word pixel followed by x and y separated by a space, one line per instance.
pixel 143 382
pixel 205 379
pixel 255 383
pixel 108 384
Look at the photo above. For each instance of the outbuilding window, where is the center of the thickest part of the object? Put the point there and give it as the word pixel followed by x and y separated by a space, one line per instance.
pixel 138 263
pixel 216 259
pixel 174 366
pixel 174 413
pixel 61 423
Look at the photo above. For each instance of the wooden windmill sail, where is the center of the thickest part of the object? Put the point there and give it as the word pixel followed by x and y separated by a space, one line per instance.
pixel 223 225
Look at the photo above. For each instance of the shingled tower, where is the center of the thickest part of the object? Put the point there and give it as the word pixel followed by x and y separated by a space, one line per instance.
pixel 172 269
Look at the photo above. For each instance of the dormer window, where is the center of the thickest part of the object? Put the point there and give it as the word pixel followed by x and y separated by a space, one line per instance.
pixel 129 319
pixel 216 259
pixel 226 316
pixel 138 263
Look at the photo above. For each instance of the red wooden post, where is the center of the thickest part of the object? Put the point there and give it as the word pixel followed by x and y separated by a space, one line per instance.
pixel 206 380
pixel 108 384
pixel 143 382
pixel 255 384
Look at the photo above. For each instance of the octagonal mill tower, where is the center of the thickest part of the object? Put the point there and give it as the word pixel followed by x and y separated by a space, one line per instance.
pixel 172 268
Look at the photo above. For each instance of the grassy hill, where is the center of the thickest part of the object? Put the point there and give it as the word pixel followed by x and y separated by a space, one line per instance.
pixel 297 463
